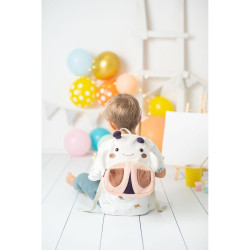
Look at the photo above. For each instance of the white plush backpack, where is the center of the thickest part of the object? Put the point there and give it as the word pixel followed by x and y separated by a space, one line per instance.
pixel 129 169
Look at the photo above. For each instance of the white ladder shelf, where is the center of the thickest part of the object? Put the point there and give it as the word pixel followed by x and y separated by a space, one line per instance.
pixel 181 74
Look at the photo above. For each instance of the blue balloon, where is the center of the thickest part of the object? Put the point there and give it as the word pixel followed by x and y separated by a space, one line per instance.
pixel 79 62
pixel 96 135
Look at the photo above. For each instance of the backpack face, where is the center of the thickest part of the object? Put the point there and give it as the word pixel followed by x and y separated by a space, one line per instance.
pixel 129 171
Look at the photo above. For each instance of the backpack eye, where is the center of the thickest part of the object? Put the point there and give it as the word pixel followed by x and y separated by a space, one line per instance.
pixel 116 149
pixel 141 150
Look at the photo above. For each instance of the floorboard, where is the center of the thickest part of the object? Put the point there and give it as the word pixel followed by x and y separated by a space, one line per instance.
pixel 182 226
pixel 46 158
pixel 159 229
pixel 83 230
pixel 52 171
pixel 59 203
pixel 190 215
pixel 203 198
pixel 121 232
pixel 200 195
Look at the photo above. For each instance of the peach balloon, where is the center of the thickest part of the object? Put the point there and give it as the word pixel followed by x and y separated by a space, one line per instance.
pixel 153 129
pixel 127 83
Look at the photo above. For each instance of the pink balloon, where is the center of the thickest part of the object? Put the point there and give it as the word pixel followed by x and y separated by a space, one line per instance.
pixel 127 83
pixel 77 143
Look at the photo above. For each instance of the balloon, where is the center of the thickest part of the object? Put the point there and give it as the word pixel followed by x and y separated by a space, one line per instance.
pixel 96 135
pixel 77 143
pixel 127 83
pixel 153 128
pixel 106 65
pixel 103 139
pixel 105 91
pixel 159 105
pixel 80 62
pixel 82 92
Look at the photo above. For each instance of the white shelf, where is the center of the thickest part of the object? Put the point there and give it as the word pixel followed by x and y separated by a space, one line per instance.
pixel 155 74
pixel 168 35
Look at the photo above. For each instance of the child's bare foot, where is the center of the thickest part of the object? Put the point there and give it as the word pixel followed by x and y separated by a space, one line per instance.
pixel 70 179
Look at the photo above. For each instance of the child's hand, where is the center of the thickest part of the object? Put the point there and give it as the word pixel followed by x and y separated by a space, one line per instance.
pixel 161 174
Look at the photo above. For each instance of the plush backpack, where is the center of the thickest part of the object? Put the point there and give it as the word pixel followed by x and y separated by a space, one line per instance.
pixel 129 169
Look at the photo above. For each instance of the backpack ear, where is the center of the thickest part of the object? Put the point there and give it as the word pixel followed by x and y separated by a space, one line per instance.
pixel 153 161
pixel 99 165
pixel 117 134
pixel 140 140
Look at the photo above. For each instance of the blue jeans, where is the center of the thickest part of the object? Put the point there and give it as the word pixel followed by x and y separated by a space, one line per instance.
pixel 84 185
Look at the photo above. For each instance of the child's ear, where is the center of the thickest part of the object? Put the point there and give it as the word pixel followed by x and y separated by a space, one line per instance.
pixel 112 125
pixel 139 119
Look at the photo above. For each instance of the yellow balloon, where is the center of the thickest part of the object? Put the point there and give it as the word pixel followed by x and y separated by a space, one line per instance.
pixel 82 92
pixel 106 65
pixel 159 105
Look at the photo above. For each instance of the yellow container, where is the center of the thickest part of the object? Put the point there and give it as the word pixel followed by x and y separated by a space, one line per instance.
pixel 193 173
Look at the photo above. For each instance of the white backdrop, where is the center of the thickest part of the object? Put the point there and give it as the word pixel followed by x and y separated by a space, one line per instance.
pixel 97 26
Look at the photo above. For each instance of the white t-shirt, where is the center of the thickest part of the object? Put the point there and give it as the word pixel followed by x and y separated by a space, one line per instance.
pixel 112 204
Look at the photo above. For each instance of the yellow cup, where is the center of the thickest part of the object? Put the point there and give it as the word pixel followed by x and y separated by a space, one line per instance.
pixel 193 173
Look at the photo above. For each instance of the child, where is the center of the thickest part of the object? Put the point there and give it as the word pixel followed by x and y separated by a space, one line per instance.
pixel 121 111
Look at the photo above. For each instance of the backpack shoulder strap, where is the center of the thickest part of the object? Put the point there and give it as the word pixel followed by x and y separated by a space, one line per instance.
pixel 97 196
pixel 157 204
pixel 125 130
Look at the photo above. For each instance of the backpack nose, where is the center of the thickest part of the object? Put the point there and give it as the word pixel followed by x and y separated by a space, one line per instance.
pixel 129 189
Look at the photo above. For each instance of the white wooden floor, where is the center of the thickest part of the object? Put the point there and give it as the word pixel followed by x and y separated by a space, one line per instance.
pixel 184 225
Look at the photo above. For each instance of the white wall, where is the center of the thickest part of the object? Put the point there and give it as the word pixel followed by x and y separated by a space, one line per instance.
pixel 99 25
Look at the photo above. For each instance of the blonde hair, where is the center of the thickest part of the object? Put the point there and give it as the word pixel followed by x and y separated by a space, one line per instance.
pixel 123 110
